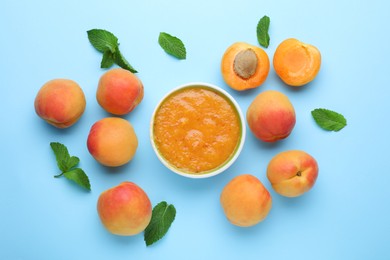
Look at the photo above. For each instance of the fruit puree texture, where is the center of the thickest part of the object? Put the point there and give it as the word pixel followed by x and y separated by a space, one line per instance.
pixel 197 129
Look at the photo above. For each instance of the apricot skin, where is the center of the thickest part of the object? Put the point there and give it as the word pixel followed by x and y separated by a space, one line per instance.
pixel 125 209
pixel 271 116
pixel 112 141
pixel 60 102
pixel 245 201
pixel 292 173
pixel 296 63
pixel 230 76
pixel 119 91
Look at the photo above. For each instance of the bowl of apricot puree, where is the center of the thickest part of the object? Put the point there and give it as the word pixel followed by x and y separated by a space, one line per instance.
pixel 197 130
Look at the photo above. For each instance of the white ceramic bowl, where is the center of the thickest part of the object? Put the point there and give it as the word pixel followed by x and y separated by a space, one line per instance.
pixel 232 158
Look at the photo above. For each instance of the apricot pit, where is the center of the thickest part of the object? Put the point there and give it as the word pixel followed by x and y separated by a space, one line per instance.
pixel 245 63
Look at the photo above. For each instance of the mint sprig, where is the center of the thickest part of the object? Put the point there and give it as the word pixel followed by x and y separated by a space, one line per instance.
pixel 67 164
pixel 121 61
pixel 107 43
pixel 162 217
pixel 262 31
pixel 172 45
pixel 107 60
pixel 102 40
pixel 329 120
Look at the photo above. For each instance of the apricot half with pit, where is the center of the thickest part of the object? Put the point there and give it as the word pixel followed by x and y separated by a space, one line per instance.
pixel 244 66
pixel 296 63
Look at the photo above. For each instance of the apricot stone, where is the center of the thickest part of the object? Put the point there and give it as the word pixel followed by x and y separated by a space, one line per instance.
pixel 296 63
pixel 60 102
pixel 244 66
pixel 245 201
pixel 271 116
pixel 112 141
pixel 125 209
pixel 119 91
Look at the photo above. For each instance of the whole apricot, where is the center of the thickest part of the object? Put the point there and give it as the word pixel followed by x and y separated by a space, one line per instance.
pixel 60 102
pixel 112 141
pixel 119 91
pixel 271 116
pixel 292 173
pixel 245 201
pixel 296 63
pixel 125 209
pixel 244 66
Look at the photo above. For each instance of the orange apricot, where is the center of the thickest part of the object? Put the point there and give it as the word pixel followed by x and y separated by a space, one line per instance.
pixel 271 116
pixel 60 102
pixel 245 201
pixel 119 91
pixel 112 141
pixel 296 63
pixel 244 66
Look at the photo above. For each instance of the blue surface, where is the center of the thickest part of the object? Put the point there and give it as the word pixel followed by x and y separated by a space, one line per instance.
pixel 345 216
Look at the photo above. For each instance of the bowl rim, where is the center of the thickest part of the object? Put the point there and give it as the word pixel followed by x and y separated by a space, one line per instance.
pixel 237 150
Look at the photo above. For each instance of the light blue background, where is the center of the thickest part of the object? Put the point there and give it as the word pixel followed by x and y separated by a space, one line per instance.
pixel 346 214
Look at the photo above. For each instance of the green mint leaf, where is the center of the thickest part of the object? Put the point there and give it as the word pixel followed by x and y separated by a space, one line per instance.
pixel 62 155
pixel 108 59
pixel 122 62
pixel 103 40
pixel 78 176
pixel 66 164
pixel 107 43
pixel 72 162
pixel 262 31
pixel 172 45
pixel 63 165
pixel 328 119
pixel 162 217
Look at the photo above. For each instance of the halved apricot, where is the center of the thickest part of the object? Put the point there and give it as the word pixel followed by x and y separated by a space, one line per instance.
pixel 244 66
pixel 296 63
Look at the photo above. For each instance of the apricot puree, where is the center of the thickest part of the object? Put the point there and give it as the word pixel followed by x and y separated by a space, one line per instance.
pixel 196 129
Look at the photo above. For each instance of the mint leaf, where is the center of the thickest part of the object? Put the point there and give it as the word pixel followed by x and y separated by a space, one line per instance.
pixel 72 162
pixel 78 175
pixel 107 43
pixel 262 31
pixel 62 155
pixel 172 45
pixel 102 40
pixel 122 62
pixel 328 119
pixel 62 165
pixel 108 59
pixel 162 217
pixel 66 164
